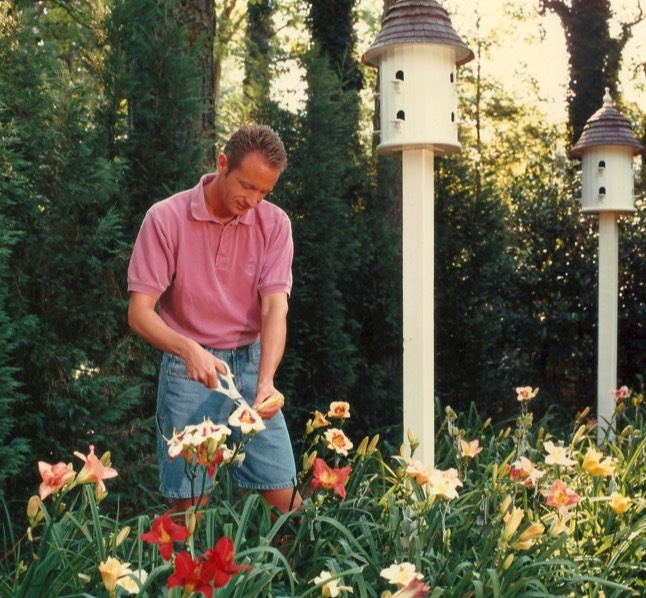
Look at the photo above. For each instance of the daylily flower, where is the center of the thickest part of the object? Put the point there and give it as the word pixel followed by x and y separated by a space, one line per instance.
pixel 338 441
pixel 415 589
pixel 444 483
pixel 595 466
pixel 277 399
pixel 164 532
pixel 111 570
pixel 526 472
pixel 132 581
pixel 561 497
pixel 247 419
pixel 557 455
pixel 512 521
pixel 220 559
pixel 527 536
pixel 329 478
pixel 54 477
pixel 318 421
pixel 526 393
pixel 620 394
pixel 401 574
pixel 330 589
pixel 619 503
pixel 470 449
pixel 93 472
pixel 420 472
pixel 192 576
pixel 339 410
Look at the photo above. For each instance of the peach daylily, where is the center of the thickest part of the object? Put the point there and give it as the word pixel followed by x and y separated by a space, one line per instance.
pixel 329 478
pixel 247 419
pixel 470 449
pixel 444 483
pixel 401 574
pixel 111 570
pixel 619 503
pixel 595 466
pixel 526 472
pixel 561 497
pixel 338 441
pixel 557 455
pixel 512 521
pixel 54 477
pixel 420 472
pixel 93 472
pixel 330 588
pixel 527 536
pixel 526 393
pixel 339 410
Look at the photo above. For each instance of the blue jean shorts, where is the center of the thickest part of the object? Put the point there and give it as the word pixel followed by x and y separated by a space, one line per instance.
pixel 269 458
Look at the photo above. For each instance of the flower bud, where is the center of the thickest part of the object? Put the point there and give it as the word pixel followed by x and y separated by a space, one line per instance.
pixel 363 447
pixel 578 433
pixel 508 561
pixel 191 523
pixel 373 444
pixel 105 459
pixel 122 535
pixel 504 507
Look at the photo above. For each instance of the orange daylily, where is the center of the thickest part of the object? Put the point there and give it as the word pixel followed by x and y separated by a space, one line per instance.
pixel 329 478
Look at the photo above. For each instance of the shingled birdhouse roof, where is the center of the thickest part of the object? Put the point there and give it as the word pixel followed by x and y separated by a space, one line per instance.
pixel 416 22
pixel 606 127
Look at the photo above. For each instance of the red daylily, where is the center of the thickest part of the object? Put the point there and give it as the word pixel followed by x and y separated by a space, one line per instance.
pixel 164 532
pixel 329 478
pixel 210 464
pixel 192 576
pixel 93 472
pixel 220 560
pixel 54 477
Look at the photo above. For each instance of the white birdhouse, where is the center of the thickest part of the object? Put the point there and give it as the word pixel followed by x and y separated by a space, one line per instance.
pixel 417 52
pixel 607 147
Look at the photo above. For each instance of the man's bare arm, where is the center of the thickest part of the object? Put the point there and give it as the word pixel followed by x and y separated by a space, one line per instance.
pixel 147 323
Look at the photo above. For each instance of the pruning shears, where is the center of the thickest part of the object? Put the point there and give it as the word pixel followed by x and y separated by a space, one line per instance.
pixel 228 388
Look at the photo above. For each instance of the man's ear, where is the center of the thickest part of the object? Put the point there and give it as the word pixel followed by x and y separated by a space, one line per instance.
pixel 223 164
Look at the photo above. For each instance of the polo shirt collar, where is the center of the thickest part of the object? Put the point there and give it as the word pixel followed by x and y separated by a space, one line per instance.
pixel 200 212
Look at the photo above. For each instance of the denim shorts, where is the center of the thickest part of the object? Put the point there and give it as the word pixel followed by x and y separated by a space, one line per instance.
pixel 269 458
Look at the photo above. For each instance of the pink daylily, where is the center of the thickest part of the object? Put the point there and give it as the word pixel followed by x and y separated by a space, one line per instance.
pixel 93 472
pixel 54 477
pixel 561 497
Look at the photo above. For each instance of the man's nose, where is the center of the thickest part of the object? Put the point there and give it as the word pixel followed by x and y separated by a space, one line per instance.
pixel 253 198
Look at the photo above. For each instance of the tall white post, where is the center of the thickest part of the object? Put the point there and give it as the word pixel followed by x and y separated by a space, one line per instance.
pixel 607 327
pixel 418 300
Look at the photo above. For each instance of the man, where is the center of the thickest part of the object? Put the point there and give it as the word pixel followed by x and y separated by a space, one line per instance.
pixel 217 259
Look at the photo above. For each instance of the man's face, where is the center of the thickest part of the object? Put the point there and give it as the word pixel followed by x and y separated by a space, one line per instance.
pixel 244 187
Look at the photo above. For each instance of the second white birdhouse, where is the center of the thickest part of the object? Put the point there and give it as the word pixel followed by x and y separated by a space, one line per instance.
pixel 607 147
pixel 417 53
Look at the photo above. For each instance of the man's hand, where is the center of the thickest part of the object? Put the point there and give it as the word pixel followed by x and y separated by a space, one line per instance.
pixel 268 402
pixel 203 367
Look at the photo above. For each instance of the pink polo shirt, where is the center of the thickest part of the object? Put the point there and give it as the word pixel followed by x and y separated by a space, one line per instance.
pixel 209 277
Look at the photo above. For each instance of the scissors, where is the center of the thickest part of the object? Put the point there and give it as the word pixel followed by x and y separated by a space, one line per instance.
pixel 230 389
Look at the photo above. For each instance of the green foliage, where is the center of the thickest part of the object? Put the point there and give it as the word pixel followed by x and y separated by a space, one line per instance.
pixel 486 521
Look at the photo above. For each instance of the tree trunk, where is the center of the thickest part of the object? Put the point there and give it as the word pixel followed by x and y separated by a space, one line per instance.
pixel 199 17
